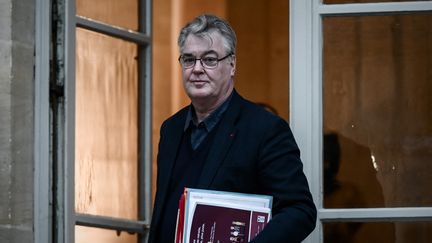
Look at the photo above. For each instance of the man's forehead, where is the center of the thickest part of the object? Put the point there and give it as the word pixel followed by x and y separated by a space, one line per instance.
pixel 209 42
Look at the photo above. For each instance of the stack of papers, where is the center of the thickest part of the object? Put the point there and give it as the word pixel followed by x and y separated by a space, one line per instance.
pixel 206 216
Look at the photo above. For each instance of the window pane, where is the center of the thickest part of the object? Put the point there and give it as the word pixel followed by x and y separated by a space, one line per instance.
pixel 383 232
pixel 95 235
pixel 106 141
pixel 122 13
pixel 378 111
pixel 367 1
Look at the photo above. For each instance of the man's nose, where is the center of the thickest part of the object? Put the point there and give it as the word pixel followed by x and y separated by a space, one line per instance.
pixel 198 67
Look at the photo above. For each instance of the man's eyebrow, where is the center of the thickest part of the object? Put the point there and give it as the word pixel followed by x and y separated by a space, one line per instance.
pixel 205 53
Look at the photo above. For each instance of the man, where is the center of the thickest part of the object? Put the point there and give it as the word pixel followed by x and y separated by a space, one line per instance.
pixel 224 142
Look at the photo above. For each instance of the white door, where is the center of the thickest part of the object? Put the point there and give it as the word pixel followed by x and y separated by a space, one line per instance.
pixel 361 110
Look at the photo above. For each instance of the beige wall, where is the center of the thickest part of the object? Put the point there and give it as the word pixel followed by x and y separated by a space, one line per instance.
pixel 262 59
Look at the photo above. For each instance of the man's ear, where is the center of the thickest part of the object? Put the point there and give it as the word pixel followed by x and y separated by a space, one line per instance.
pixel 233 64
pixel 233 60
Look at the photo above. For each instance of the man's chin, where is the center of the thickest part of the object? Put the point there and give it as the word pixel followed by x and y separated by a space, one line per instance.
pixel 198 94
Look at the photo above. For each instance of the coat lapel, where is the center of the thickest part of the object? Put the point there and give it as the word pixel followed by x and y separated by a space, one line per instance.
pixel 168 157
pixel 222 142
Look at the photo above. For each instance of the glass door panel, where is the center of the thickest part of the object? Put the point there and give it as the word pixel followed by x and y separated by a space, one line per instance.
pixel 106 133
pixel 120 13
pixel 377 81
pixel 95 235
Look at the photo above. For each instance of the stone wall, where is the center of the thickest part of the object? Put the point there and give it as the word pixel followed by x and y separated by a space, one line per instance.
pixel 16 120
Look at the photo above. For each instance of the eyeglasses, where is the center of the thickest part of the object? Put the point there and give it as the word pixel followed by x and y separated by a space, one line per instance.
pixel 208 62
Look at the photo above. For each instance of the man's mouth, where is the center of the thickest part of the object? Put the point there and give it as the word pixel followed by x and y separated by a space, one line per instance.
pixel 198 82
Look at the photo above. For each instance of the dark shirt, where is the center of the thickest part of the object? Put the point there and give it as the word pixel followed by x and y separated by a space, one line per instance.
pixel 200 131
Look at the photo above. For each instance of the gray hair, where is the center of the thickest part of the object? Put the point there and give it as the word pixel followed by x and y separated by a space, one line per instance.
pixel 205 24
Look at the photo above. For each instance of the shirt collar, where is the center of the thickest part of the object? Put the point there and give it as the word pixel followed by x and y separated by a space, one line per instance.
pixel 210 121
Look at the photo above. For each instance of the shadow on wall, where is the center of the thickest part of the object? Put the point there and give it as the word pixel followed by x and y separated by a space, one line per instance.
pixel 350 182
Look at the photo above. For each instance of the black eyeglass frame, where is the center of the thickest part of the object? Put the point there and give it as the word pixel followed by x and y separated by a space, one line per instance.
pixel 202 63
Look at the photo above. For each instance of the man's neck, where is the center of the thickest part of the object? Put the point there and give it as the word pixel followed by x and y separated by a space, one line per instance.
pixel 202 111
pixel 205 108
